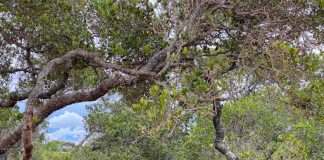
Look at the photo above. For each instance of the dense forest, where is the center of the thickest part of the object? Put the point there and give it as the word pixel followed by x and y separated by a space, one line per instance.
pixel 194 79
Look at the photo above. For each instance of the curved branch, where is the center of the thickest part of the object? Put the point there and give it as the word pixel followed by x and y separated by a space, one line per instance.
pixel 14 97
pixel 9 140
pixel 33 98
pixel 60 102
pixel 156 59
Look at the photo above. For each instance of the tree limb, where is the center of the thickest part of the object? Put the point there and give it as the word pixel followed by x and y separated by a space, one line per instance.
pixel 34 96
pixel 60 102
pixel 14 97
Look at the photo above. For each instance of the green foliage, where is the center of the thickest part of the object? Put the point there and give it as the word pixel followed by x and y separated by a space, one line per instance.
pixel 226 46
pixel 56 24
pixel 198 143
pixel 128 31
pixel 148 49
pixel 9 118
pixel 321 4
pixel 185 51
pixel 124 133
pixel 310 98
pixel 53 150
pixel 273 130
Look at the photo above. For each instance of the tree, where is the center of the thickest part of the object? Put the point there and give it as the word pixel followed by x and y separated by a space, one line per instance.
pixel 122 133
pixel 53 150
pixel 196 50
pixel 258 127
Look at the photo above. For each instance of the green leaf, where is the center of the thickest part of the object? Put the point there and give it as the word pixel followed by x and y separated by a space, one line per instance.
pixel 114 8
pixel 143 102
pixel 321 4
pixel 185 51
pixel 154 90
pixel 219 58
pixel 148 49
pixel 136 107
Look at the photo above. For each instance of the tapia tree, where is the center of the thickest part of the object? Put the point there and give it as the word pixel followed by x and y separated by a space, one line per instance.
pixel 65 52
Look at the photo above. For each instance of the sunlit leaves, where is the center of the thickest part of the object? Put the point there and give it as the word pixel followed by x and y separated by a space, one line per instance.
pixel 321 3
pixel 154 90
pixel 185 51
pixel 129 130
pixel 285 134
pixel 9 119
pixel 224 47
pixel 148 49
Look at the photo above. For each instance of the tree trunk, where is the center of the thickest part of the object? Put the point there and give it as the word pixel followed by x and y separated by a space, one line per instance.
pixel 3 155
pixel 219 135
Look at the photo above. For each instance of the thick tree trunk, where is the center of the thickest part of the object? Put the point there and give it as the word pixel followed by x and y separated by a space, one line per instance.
pixel 219 144
pixel 27 133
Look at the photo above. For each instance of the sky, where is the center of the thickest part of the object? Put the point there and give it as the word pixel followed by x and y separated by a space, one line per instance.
pixel 66 124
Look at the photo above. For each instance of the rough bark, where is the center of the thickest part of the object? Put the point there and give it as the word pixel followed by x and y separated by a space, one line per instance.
pixel 219 135
pixel 14 97
pixel 3 155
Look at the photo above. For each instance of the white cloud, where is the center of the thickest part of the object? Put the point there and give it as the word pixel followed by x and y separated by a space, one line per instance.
pixel 68 119
pixel 66 127
pixel 74 135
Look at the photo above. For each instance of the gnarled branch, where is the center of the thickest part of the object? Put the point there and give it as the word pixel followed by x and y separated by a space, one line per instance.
pixel 14 97
pixel 57 103
pixel 33 98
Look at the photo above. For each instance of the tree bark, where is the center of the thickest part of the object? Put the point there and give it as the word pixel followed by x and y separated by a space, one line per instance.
pixel 3 155
pixel 220 133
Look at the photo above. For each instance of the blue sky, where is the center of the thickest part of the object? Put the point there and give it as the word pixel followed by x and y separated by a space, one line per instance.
pixel 67 123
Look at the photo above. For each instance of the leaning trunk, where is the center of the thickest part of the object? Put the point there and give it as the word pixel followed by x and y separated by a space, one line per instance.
pixel 219 144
